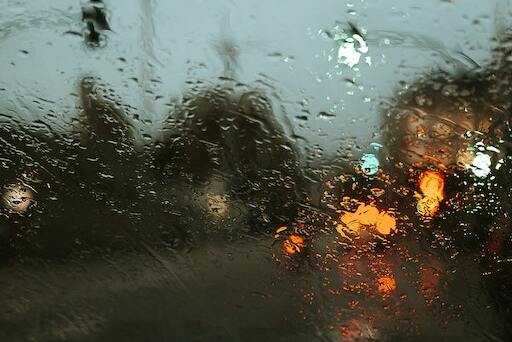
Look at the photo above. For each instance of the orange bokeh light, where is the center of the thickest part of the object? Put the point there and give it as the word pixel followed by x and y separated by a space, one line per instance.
pixel 431 184
pixel 367 215
pixel 293 244
pixel 386 284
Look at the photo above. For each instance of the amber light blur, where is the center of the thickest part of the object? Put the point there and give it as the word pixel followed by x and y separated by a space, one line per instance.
pixel 386 284
pixel 367 215
pixel 293 244
pixel 431 184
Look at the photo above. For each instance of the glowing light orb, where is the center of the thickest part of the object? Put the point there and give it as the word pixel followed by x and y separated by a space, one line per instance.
pixel 293 244
pixel 18 197
pixel 386 284
pixel 481 165
pixel 369 164
pixel 367 215
pixel 431 184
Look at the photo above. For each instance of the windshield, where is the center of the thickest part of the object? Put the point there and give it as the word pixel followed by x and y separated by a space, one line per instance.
pixel 255 171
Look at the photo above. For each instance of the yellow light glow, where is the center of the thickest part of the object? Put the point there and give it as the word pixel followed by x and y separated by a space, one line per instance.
pixel 18 197
pixel 386 284
pixel 293 244
pixel 367 215
pixel 431 184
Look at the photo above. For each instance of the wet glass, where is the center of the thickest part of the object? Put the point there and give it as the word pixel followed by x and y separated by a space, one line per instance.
pixel 255 171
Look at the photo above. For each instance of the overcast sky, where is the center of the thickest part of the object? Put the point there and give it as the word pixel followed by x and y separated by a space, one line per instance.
pixel 157 45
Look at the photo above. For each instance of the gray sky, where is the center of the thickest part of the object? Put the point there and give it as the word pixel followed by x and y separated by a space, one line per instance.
pixel 166 43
